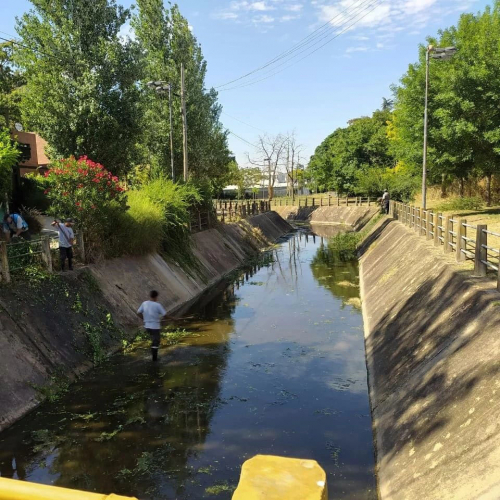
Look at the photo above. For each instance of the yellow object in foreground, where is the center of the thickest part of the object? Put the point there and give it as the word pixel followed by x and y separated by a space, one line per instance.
pixel 11 489
pixel 275 478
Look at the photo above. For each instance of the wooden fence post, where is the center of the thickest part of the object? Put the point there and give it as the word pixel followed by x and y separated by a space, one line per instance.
pixel 347 201
pixel 338 201
pixel 430 227
pixel 437 223
pixel 461 242
pixel 481 255
pixel 46 254
pixel 306 201
pixel 446 234
pixel 368 201
pixel 5 262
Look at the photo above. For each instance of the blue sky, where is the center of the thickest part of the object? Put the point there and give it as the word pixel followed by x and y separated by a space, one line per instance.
pixel 346 78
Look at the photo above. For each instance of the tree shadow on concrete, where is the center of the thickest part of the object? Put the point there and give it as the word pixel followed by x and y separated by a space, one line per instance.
pixel 411 368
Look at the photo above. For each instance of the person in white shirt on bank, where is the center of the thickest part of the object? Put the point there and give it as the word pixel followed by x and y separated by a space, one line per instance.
pixel 66 241
pixel 152 313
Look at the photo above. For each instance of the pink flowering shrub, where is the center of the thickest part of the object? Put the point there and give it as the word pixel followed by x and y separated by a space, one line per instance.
pixel 88 193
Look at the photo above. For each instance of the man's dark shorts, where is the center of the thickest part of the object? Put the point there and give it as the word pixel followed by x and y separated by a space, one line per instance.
pixel 155 336
pixel 66 253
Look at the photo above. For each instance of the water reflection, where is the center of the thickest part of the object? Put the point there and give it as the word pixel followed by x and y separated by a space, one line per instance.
pixel 274 364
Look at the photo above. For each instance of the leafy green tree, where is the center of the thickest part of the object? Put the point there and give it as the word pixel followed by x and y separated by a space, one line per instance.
pixel 349 152
pixel 166 41
pixel 11 81
pixel 81 93
pixel 8 158
pixel 464 103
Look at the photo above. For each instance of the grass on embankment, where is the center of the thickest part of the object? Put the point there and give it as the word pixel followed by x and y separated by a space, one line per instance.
pixel 346 244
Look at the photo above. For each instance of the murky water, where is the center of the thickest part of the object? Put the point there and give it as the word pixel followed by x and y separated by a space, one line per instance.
pixel 274 365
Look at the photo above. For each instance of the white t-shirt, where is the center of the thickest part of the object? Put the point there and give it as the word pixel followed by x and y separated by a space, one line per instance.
pixel 152 312
pixel 65 235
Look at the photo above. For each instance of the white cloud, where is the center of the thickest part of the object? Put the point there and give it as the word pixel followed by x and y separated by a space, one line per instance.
pixel 225 15
pixel 386 19
pixel 349 50
pixel 296 7
pixel 244 10
pixel 264 19
pixel 287 18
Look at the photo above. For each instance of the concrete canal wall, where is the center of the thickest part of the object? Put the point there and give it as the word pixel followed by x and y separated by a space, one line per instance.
pixel 52 329
pixel 353 216
pixel 433 350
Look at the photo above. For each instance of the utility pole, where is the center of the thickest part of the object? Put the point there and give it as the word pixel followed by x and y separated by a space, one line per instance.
pixel 184 123
pixel 426 111
pixel 171 132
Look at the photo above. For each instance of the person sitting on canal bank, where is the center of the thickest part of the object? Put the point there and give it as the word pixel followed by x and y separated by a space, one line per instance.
pixel 386 198
pixel 15 226
pixel 152 313
pixel 66 242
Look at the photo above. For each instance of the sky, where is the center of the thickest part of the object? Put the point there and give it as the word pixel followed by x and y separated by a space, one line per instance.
pixel 339 58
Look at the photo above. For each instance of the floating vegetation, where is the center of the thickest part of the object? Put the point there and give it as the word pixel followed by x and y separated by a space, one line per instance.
pixel 334 452
pixel 219 488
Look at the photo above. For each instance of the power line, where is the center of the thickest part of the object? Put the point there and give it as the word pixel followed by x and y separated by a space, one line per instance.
pixel 241 139
pixel 370 9
pixel 325 28
pixel 357 18
pixel 244 123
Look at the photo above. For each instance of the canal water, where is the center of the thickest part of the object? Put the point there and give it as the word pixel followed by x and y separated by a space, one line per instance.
pixel 272 363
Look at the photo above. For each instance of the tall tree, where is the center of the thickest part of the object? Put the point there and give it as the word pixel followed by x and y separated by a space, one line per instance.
pixel 81 93
pixel 464 102
pixel 270 157
pixel 166 41
pixel 11 82
pixel 349 152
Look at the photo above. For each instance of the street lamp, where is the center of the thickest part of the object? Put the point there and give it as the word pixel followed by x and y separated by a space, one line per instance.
pixel 443 54
pixel 161 87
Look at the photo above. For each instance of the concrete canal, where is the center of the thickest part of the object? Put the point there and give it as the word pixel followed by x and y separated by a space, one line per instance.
pixel 273 363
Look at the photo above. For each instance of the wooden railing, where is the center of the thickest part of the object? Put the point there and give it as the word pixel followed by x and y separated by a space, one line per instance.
pixel 302 201
pixel 231 210
pixel 454 235
pixel 324 201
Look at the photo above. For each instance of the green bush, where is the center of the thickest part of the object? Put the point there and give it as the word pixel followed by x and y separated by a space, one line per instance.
pixel 175 202
pixel 139 230
pixel 157 219
pixel 466 203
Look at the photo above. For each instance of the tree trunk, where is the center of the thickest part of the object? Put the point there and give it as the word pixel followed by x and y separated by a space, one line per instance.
pixel 488 190
pixel 461 187
pixel 443 186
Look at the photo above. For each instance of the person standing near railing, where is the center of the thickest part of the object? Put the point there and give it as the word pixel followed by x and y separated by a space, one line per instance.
pixel 386 198
pixel 66 242
pixel 15 226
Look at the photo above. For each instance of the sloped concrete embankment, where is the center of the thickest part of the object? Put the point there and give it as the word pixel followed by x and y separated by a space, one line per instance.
pixel 433 350
pixel 126 281
pixel 355 217
pixel 52 329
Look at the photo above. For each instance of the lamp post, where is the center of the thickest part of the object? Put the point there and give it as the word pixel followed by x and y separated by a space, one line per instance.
pixel 161 87
pixel 436 53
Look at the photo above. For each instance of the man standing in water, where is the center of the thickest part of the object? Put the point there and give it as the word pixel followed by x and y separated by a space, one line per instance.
pixel 152 312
